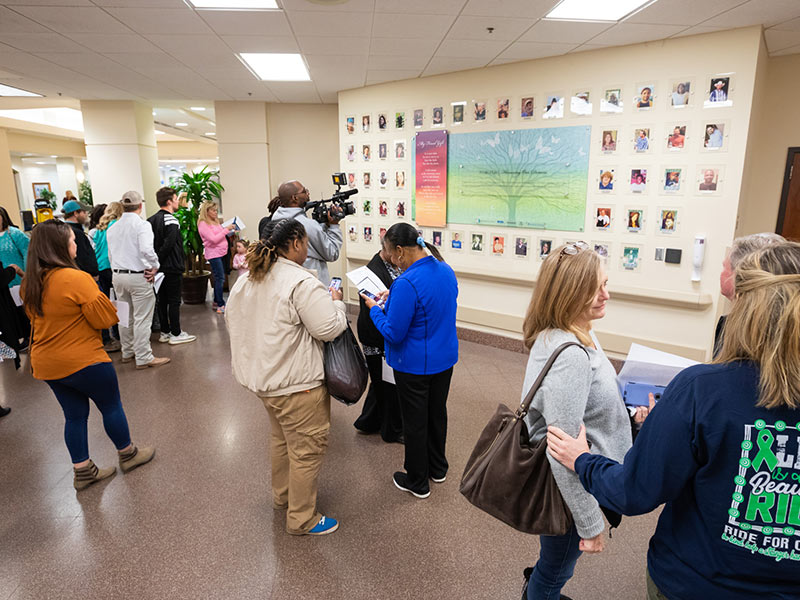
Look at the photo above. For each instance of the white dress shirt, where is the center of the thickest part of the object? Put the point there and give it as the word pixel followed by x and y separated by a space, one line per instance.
pixel 130 244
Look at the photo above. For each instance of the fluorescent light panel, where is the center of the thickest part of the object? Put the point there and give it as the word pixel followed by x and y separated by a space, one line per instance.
pixel 65 118
pixel 276 67
pixel 7 90
pixel 200 108
pixel 235 4
pixel 181 124
pixel 592 10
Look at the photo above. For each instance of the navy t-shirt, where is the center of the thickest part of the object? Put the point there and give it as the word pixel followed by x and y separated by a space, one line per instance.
pixel 729 475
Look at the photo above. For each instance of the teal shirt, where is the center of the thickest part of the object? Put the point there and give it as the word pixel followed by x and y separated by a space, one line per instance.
pixel 14 251
pixel 101 247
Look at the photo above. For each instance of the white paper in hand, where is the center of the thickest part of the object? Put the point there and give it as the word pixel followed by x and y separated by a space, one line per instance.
pixel 123 310
pixel 387 373
pixel 159 279
pixel 364 279
pixel 237 223
pixel 647 365
pixel 15 295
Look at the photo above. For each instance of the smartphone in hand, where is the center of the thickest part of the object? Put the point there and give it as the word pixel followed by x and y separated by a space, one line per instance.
pixel 336 283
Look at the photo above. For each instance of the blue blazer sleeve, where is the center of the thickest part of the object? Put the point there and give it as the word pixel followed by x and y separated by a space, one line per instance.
pixel 395 322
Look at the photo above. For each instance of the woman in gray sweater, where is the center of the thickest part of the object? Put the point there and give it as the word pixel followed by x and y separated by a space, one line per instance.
pixel 581 388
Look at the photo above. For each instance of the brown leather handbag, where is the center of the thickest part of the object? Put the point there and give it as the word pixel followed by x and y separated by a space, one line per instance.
pixel 509 478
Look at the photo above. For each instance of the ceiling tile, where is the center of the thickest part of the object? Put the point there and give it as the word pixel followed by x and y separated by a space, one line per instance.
pixel 336 64
pixel 120 42
pixel 374 77
pixel 589 48
pixel 161 20
pixel 136 60
pixel 402 47
pixel 351 46
pixel 351 6
pixel 397 63
pixel 630 33
pixel 329 97
pixel 443 64
pixel 202 60
pixel 397 25
pixel 682 12
pixel 239 74
pixel 757 12
pixel 294 91
pixel 787 51
pixel 330 24
pixel 697 30
pixel 792 25
pixel 39 42
pixel 142 3
pixel 240 90
pixel 47 2
pixel 11 22
pixel 532 50
pixel 529 9
pixel 475 28
pixel 241 22
pixel 471 48
pixel 778 40
pixel 563 32
pixel 261 43
pixel 438 7
pixel 171 43
pixel 74 19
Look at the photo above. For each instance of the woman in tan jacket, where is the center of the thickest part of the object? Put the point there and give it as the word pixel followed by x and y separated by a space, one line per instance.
pixel 278 317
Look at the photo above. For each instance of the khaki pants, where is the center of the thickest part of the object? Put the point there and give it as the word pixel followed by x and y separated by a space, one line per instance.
pixel 298 440
pixel 653 593
pixel 138 293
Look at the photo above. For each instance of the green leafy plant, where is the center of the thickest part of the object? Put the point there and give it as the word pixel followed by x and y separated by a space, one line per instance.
pixel 45 194
pixel 202 186
pixel 85 193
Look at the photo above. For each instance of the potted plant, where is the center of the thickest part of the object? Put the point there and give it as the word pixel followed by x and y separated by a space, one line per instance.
pixel 48 196
pixel 202 186
pixel 85 193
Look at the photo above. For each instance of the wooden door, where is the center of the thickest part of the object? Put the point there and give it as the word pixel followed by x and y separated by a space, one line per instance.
pixel 789 212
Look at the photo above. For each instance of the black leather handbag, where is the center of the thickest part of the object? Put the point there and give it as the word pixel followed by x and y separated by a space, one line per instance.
pixel 346 372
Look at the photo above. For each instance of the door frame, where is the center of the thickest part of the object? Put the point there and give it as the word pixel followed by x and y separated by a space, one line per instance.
pixel 786 182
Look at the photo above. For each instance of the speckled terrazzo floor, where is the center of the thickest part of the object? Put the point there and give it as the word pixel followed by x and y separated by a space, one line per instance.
pixel 198 522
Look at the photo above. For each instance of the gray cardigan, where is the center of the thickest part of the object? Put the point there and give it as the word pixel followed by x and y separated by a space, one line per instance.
pixel 578 390
pixel 324 241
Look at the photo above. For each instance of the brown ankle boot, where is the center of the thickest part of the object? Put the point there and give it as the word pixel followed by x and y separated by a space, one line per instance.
pixel 86 476
pixel 135 457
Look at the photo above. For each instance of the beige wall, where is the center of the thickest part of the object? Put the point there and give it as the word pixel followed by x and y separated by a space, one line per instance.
pixel 494 291
pixel 8 190
pixel 40 144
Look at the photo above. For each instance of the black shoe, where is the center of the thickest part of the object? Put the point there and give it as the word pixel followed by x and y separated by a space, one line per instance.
pixel 4 411
pixel 527 575
pixel 400 480
pixel 397 440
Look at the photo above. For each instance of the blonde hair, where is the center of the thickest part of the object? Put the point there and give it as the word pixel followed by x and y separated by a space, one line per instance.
pixel 203 214
pixel 764 323
pixel 112 213
pixel 566 287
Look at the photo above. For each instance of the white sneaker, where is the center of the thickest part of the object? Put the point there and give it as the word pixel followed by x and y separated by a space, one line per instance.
pixel 164 338
pixel 183 338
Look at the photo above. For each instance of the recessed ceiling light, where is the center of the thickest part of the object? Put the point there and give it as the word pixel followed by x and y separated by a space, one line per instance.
pixel 235 4
pixel 591 10
pixel 181 124
pixel 276 67
pixel 41 163
pixel 159 132
pixel 210 133
pixel 7 90
pixel 54 156
pixel 200 108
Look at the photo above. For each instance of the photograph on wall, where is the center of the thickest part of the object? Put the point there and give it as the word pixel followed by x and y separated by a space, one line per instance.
pixel 545 247
pixel 366 152
pixel 601 249
pixel 635 218
pixel 38 188
pixel 383 180
pixel 351 180
pixel 438 116
pixel 381 233
pixel 630 258
pixel 714 136
pixel 669 221
pixel 672 180
pixel 498 245
pixel 418 118
pixel 352 233
pixel 437 238
pixel 609 143
pixel 382 151
pixel 399 120
pixel 532 178
pixel 709 180
pixel 645 96
pixel 350 153
pixel 680 93
pixel 521 247
pixel 526 107
pixel 400 180
pixel 365 122
pixel 477 242
pixel 350 125
pixel 718 93
pixel 554 108
pixel 383 208
pixel 503 108
pixel 606 181
pixel 366 207
pixel 641 139
pixel 579 103
pixel 603 218
pixel 479 110
pixel 611 102
pixel 456 239
pixel 638 180
pixel 382 123
pixel 367 234
pixel 677 139
pixel 400 149
pixel 367 180
pixel 400 209
pixel 458 112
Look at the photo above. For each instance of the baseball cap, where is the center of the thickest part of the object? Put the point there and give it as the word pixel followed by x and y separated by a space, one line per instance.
pixel 71 206
pixel 132 198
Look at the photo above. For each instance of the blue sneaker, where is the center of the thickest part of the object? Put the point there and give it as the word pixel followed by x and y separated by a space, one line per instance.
pixel 325 526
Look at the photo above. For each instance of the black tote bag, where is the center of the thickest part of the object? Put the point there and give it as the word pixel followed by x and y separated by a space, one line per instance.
pixel 346 372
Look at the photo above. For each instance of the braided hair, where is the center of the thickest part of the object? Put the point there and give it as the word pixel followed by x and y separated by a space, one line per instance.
pixel 274 242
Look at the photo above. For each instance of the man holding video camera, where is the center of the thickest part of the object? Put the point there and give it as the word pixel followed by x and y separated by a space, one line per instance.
pixel 324 239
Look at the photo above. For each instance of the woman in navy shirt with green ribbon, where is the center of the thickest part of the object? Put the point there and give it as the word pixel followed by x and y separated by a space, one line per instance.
pixel 721 450
pixel 418 324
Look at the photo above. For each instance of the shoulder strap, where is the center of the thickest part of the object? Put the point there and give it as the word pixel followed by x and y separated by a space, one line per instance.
pixel 525 406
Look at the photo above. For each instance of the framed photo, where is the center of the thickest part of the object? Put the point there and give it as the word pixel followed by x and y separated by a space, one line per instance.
pixel 668 220
pixel 608 143
pixel 645 96
pixel 438 116
pixel 554 108
pixel 383 180
pixel 611 102
pixel 400 149
pixel 479 110
pixel 350 152
pixel 382 151
pixel 437 239
pixel 641 139
pixel 603 216
pixel 351 180
pixel 498 244
pixel 366 207
pixel 418 118
pixel 38 188
pixel 676 140
pixel 680 93
pixel 631 257
pixel 709 180
pixel 400 180
pixel 382 123
pixel 579 103
pixel 476 242
pixel 400 209
pixel 367 180
pixel 457 240
pixel 672 180
pixel 458 109
pixel 350 125
pixel 719 92
pixel 399 120
pixel 602 249
pixel 714 136
pixel 606 180
pixel 638 181
pixel 368 234
pixel 545 246
pixel 365 123
pixel 503 108
pixel 526 107
pixel 366 152
pixel 635 219
pixel 520 247
pixel 352 233
pixel 383 207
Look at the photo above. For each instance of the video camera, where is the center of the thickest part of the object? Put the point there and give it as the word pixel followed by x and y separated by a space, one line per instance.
pixel 339 208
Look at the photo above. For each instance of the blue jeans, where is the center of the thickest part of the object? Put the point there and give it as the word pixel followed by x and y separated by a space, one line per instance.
pixel 557 559
pixel 218 271
pixel 98 382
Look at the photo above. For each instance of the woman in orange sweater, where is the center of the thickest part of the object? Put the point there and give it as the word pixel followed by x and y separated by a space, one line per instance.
pixel 68 312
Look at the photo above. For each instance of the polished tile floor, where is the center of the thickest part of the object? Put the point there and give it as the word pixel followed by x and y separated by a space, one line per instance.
pixel 198 521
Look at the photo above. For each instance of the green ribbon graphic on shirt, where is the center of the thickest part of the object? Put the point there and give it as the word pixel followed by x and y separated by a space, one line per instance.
pixel 765 453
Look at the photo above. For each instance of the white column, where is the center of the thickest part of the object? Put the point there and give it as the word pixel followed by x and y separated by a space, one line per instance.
pixel 242 141
pixel 121 150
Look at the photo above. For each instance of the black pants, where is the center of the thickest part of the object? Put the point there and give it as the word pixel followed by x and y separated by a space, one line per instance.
pixel 105 282
pixel 169 303
pixel 381 410
pixel 423 402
